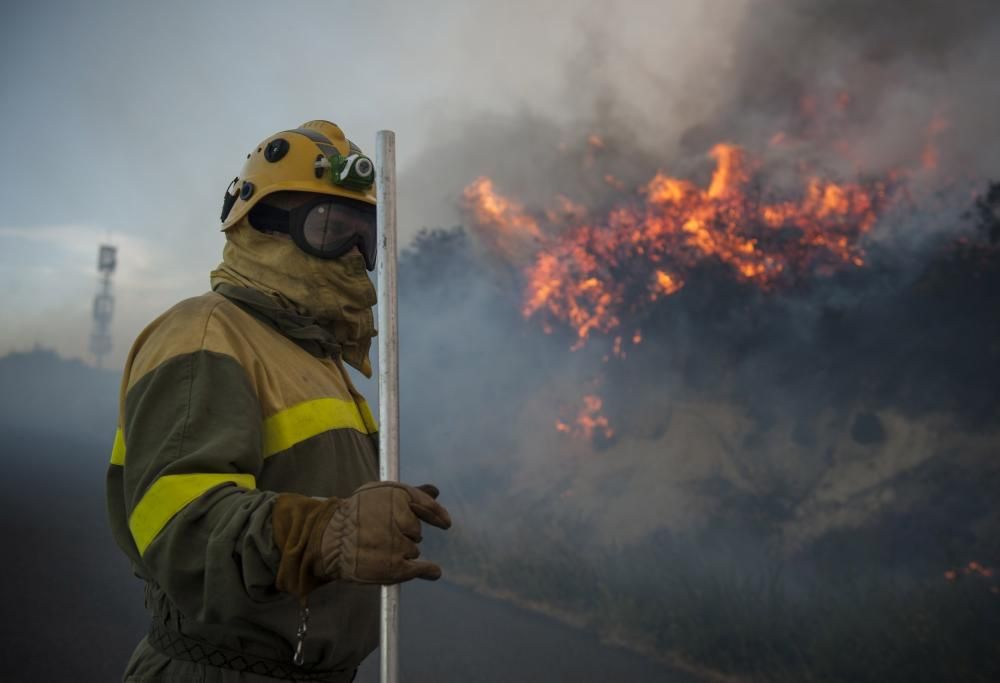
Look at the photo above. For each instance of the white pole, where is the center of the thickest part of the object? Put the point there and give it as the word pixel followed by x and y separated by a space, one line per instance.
pixel 388 373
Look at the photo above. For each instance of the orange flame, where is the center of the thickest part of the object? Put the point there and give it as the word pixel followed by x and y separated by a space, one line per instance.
pixel 500 222
pixel 972 569
pixel 587 276
pixel 666 284
pixel 589 420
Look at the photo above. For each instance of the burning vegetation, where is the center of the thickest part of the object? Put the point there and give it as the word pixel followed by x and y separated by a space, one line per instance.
pixel 597 271
pixel 602 269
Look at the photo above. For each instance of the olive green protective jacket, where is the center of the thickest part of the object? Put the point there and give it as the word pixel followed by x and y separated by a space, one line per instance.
pixel 220 412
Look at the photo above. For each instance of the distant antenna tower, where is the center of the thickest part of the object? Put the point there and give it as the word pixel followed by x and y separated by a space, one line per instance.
pixel 104 304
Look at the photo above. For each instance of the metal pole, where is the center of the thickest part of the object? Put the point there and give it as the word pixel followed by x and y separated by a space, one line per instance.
pixel 388 373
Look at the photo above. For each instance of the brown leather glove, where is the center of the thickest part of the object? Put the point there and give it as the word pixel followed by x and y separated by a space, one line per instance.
pixel 370 537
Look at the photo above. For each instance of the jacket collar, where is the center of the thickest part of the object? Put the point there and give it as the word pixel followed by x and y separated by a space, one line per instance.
pixel 301 329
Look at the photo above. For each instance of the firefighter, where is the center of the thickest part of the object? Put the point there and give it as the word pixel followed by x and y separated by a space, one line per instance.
pixel 242 483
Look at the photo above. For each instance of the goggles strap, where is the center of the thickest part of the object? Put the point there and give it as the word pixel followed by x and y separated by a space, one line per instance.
pixel 267 218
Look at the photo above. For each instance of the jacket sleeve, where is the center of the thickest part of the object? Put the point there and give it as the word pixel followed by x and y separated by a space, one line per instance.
pixel 191 455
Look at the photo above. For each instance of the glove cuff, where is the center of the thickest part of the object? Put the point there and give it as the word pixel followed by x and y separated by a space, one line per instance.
pixel 298 523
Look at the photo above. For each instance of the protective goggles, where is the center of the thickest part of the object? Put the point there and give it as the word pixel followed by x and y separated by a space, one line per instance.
pixel 327 227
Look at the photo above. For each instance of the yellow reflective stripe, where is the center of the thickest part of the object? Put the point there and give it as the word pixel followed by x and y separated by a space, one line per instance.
pixel 118 450
pixel 169 495
pixel 366 415
pixel 309 418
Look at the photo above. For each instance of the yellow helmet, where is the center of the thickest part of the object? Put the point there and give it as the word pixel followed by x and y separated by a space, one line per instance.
pixel 315 157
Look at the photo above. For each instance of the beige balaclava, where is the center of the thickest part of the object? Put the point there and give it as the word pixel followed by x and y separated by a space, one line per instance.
pixel 336 292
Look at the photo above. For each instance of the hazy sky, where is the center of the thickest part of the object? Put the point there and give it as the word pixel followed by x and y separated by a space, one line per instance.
pixel 125 120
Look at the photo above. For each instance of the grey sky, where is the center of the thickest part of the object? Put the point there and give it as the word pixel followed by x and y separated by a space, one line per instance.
pixel 126 119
